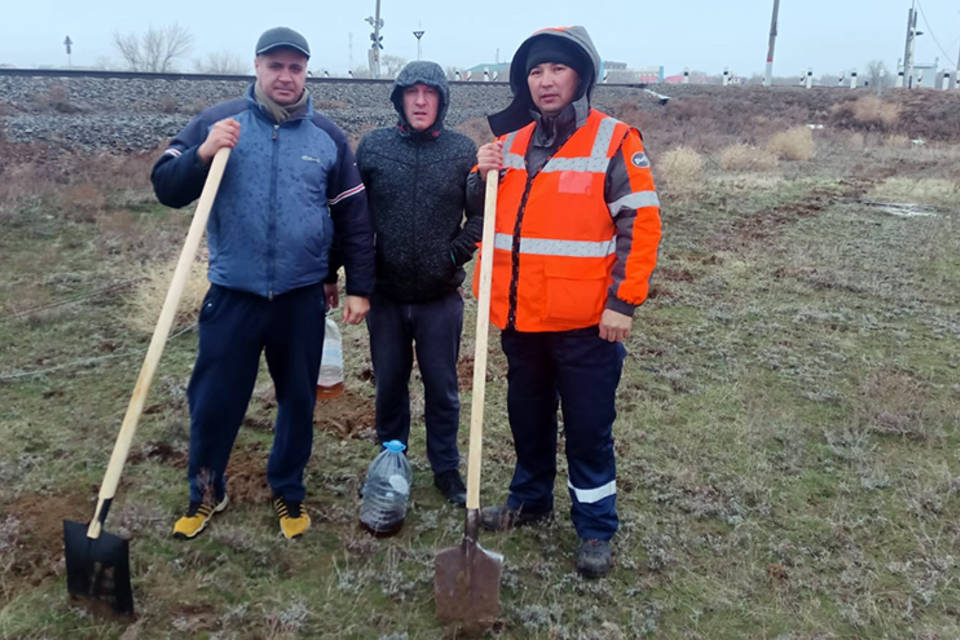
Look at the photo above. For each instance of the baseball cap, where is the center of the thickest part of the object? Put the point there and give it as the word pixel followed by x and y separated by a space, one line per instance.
pixel 282 37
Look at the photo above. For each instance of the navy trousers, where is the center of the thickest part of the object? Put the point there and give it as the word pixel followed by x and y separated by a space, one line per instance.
pixel 234 328
pixel 432 329
pixel 577 372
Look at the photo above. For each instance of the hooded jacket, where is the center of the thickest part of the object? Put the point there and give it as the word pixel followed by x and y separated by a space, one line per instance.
pixel 550 167
pixel 416 183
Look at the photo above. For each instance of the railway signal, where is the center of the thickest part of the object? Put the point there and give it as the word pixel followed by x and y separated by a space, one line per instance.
pixel 67 42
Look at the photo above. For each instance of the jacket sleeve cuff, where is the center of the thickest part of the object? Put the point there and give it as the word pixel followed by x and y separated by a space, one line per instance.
pixel 618 305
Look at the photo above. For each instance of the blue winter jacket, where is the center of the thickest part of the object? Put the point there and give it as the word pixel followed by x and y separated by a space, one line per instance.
pixel 287 190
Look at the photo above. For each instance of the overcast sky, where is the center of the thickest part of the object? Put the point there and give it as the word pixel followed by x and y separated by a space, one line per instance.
pixel 707 35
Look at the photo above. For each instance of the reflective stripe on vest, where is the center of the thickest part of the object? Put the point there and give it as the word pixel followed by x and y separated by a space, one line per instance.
pixel 548 247
pixel 635 200
pixel 512 160
pixel 555 275
pixel 597 161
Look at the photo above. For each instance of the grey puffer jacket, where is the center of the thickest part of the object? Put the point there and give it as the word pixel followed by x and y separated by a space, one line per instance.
pixel 416 184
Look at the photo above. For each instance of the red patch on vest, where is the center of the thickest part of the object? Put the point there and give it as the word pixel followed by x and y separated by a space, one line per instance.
pixel 575 182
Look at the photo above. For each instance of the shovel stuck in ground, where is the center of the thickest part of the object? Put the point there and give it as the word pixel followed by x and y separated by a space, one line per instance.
pixel 467 580
pixel 98 563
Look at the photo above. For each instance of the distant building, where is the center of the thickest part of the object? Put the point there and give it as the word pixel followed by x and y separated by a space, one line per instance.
pixel 619 73
pixel 499 71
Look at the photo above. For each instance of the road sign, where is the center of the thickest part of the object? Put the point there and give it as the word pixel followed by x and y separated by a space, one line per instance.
pixel 67 42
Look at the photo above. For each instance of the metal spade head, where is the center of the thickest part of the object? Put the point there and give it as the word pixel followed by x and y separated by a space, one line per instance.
pixel 98 568
pixel 467 580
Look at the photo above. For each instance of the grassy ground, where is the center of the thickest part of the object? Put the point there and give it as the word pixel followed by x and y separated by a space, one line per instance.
pixel 786 438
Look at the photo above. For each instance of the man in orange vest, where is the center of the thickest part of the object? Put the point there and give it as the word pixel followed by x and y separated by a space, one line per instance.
pixel 577 232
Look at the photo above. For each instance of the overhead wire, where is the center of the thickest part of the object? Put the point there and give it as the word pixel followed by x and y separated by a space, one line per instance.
pixel 932 35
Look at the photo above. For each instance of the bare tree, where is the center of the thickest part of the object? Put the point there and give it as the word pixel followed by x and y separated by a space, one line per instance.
pixel 155 50
pixel 877 74
pixel 223 63
pixel 390 65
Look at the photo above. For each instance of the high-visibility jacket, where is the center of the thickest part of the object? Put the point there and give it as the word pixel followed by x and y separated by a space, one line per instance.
pixel 556 241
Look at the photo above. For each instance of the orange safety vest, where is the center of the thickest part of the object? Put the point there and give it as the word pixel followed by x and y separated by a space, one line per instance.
pixel 560 265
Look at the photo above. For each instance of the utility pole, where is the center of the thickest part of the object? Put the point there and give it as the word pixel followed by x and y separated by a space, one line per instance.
pixel 67 42
pixel 350 51
pixel 910 46
pixel 768 77
pixel 377 42
pixel 953 76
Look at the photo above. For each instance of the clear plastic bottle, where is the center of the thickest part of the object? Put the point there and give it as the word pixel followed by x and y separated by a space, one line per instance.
pixel 330 380
pixel 386 491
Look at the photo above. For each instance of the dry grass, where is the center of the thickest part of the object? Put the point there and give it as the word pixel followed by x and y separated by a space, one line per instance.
pixel 680 169
pixel 745 157
pixel 897 141
pixel 867 112
pixel 145 302
pixel 792 144
pixel 933 191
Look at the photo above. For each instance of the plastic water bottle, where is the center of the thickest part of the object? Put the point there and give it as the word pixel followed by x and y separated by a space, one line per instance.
pixel 386 492
pixel 330 380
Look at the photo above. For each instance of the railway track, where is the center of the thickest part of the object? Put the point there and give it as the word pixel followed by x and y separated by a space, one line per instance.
pixel 313 79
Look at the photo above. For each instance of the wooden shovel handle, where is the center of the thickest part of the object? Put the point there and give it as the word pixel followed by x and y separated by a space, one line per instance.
pixel 480 348
pixel 112 476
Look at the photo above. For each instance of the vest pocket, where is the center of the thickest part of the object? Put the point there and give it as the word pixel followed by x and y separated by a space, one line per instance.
pixel 575 289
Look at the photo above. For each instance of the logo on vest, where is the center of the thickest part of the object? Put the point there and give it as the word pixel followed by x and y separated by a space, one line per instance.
pixel 311 159
pixel 640 160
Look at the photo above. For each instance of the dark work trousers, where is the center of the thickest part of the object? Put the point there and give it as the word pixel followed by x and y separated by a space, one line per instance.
pixel 234 328
pixel 579 373
pixel 432 329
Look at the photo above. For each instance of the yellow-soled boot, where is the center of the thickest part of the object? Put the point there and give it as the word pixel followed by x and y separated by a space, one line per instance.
pixel 198 515
pixel 293 519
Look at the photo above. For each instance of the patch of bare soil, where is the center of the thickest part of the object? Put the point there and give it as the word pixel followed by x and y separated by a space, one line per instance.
pixel 247 475
pixel 31 539
pixel 349 415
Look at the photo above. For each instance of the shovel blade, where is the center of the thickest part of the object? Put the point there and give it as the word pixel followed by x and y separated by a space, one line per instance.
pixel 467 584
pixel 98 568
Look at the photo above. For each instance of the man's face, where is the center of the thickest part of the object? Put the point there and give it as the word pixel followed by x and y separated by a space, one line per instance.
pixel 281 74
pixel 420 104
pixel 552 86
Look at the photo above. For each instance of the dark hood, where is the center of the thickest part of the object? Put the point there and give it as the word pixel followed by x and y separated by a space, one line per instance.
pixel 518 113
pixel 424 72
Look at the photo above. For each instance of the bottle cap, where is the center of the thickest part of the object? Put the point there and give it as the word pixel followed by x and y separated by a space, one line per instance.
pixel 394 446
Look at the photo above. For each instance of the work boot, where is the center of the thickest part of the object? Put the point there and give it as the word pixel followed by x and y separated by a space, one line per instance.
pixel 451 486
pixel 293 519
pixel 502 517
pixel 593 558
pixel 198 515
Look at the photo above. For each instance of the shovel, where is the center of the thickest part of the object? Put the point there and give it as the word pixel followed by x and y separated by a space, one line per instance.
pixel 98 563
pixel 467 580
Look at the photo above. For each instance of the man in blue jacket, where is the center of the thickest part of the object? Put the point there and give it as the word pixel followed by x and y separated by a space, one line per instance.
pixel 290 186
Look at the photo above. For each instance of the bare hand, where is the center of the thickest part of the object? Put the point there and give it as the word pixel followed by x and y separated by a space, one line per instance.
pixel 490 158
pixel 615 326
pixel 355 309
pixel 332 295
pixel 223 134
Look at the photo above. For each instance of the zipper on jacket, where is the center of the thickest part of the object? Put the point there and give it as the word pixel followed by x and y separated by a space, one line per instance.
pixel 515 255
pixel 272 222
pixel 413 218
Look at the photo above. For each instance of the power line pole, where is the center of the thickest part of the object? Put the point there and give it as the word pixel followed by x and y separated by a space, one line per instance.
pixel 953 76
pixel 768 77
pixel 909 47
pixel 377 42
pixel 68 43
